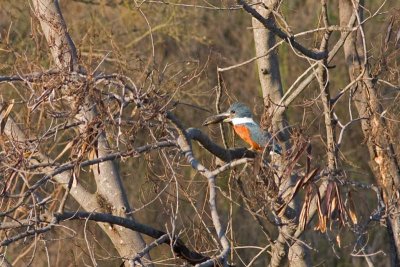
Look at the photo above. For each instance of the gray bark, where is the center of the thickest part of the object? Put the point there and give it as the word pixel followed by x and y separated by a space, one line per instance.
pixel 268 69
pixel 271 85
pixel 384 163
pixel 110 191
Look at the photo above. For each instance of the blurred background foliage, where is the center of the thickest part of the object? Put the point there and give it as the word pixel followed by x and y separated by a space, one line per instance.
pixel 188 44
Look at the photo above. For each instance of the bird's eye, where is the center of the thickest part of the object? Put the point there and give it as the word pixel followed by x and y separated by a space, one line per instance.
pixel 233 112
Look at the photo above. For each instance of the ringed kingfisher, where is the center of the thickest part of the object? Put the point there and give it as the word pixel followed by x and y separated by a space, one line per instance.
pixel 242 119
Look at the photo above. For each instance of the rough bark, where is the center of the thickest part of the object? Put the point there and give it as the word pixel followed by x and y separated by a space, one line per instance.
pixel 268 67
pixel 384 163
pixel 271 85
pixel 110 191
pixel 325 95
pixel 55 31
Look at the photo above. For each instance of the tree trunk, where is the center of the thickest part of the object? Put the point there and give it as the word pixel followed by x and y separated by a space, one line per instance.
pixel 268 69
pixel 110 191
pixel 271 85
pixel 384 163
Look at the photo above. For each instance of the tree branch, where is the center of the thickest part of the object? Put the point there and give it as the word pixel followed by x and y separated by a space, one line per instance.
pixel 185 146
pixel 226 155
pixel 176 243
pixel 270 25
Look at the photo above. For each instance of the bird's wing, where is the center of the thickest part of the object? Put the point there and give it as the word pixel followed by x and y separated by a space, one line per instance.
pixel 264 138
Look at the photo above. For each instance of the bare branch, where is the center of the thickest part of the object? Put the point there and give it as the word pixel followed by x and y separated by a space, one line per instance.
pixel 316 55
pixel 184 143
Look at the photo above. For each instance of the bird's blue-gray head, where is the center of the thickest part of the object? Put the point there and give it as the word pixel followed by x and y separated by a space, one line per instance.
pixel 236 111
pixel 239 110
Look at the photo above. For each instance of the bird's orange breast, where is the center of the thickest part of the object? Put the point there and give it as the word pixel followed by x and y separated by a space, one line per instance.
pixel 244 133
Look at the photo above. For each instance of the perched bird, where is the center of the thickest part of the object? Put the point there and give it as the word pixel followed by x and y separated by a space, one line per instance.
pixel 242 119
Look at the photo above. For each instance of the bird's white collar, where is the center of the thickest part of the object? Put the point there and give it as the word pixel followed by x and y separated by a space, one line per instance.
pixel 237 121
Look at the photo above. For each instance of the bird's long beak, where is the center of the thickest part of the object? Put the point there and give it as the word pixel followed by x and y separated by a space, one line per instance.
pixel 223 117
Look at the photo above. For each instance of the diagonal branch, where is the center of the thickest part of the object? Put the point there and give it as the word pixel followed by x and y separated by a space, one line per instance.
pixel 185 146
pixel 226 155
pixel 31 77
pixel 270 25
pixel 178 246
pixel 290 95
